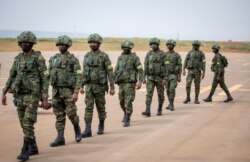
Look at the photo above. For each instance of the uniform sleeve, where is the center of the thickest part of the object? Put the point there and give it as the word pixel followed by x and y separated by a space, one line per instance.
pixel 78 75
pixel 44 75
pixel 139 68
pixel 12 75
pixel 179 64
pixel 203 61
pixel 163 55
pixel 185 61
pixel 146 66
pixel 109 70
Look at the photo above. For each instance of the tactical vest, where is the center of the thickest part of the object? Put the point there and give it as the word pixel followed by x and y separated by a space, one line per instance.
pixel 62 70
pixel 126 71
pixel 28 78
pixel 94 68
pixel 218 62
pixel 171 63
pixel 154 61
pixel 194 60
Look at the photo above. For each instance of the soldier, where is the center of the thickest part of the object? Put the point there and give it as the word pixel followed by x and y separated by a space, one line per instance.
pixel 173 70
pixel 96 69
pixel 28 81
pixel 126 74
pixel 154 71
pixel 219 63
pixel 65 79
pixel 195 62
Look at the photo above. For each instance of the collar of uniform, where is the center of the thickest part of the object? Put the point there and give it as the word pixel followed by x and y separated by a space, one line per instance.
pixel 123 53
pixel 67 53
pixel 95 52
pixel 171 52
pixel 32 51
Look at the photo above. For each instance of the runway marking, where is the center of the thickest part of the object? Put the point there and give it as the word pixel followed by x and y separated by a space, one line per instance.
pixel 246 64
pixel 205 89
pixel 3 78
pixel 231 89
pixel 244 90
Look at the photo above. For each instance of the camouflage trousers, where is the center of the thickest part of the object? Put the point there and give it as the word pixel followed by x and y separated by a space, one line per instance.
pixel 196 76
pixel 171 86
pixel 127 96
pixel 150 91
pixel 95 93
pixel 62 106
pixel 27 106
pixel 222 84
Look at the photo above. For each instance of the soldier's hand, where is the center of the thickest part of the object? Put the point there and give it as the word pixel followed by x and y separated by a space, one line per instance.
pixel 45 104
pixel 179 78
pixel 81 90
pixel 184 72
pixel 75 97
pixel 163 82
pixel 4 99
pixel 203 75
pixel 144 81
pixel 112 92
pixel 138 85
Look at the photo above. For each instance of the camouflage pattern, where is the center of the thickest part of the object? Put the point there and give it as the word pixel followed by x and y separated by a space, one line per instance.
pixel 196 43
pixel 128 44
pixel 95 38
pixel 171 41
pixel 195 62
pixel 64 39
pixel 173 69
pixel 28 81
pixel 27 36
pixel 216 46
pixel 97 70
pixel 218 67
pixel 127 72
pixel 154 40
pixel 65 78
pixel 154 71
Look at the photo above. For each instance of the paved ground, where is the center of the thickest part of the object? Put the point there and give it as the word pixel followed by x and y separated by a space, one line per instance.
pixel 209 132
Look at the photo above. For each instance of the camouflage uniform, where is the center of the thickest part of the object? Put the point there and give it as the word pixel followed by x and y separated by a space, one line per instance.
pixel 126 73
pixel 96 69
pixel 173 69
pixel 219 63
pixel 154 71
pixel 195 62
pixel 28 81
pixel 65 78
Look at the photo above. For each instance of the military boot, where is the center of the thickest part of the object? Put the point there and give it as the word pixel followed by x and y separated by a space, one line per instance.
pixel 24 155
pixel 209 98
pixel 171 105
pixel 87 132
pixel 147 112
pixel 78 134
pixel 124 114
pixel 229 98
pixel 33 149
pixel 196 101
pixel 101 127
pixel 159 111
pixel 59 141
pixel 187 100
pixel 127 120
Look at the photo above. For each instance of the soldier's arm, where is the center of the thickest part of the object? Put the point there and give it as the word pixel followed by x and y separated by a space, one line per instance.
pixel 11 79
pixel 185 62
pixel 139 69
pixel 203 62
pixel 109 70
pixel 78 75
pixel 146 66
pixel 44 75
pixel 179 64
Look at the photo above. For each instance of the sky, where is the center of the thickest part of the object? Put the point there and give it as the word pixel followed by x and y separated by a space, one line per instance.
pixel 220 20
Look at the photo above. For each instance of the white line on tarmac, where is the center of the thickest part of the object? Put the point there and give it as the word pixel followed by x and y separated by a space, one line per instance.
pixel 3 78
pixel 244 90
pixel 231 89
pixel 205 89
pixel 246 64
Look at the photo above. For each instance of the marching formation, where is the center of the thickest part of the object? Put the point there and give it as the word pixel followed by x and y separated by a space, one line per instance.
pixel 29 80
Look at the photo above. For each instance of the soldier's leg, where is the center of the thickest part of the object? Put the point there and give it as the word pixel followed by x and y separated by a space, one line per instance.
pixel 100 105
pixel 168 93
pixel 71 111
pixel 189 80
pixel 122 99
pixel 20 110
pixel 59 111
pixel 129 99
pixel 172 87
pixel 161 97
pixel 214 86
pixel 197 81
pixel 225 89
pixel 150 91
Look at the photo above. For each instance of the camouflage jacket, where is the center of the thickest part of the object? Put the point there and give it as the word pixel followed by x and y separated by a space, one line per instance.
pixel 65 71
pixel 218 64
pixel 28 75
pixel 173 64
pixel 154 65
pixel 97 69
pixel 195 60
pixel 128 69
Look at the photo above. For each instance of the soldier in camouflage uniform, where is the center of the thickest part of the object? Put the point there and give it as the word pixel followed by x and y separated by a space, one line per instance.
pixel 28 81
pixel 65 78
pixel 127 71
pixel 173 70
pixel 195 62
pixel 154 71
pixel 96 69
pixel 219 63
